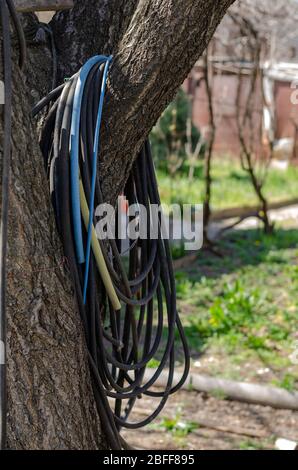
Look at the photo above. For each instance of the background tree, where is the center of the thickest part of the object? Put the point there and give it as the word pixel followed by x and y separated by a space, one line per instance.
pixel 155 44
pixel 208 78
pixel 252 160
pixel 255 32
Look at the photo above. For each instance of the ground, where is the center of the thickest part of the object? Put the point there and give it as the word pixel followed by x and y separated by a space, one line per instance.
pixel 240 315
pixel 189 417
pixel 240 310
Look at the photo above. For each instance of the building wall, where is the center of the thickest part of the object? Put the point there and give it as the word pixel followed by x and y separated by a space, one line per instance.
pixel 224 100
pixel 286 111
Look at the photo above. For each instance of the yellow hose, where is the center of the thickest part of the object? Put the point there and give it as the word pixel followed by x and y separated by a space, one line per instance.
pixel 100 261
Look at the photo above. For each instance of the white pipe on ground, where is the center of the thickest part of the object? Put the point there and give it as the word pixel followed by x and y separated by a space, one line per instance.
pixel 240 391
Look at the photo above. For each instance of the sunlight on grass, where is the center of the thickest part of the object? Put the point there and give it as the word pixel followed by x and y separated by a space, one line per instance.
pixel 231 185
pixel 245 304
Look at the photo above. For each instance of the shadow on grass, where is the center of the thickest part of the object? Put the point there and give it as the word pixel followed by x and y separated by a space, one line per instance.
pixel 239 302
pixel 239 176
pixel 236 306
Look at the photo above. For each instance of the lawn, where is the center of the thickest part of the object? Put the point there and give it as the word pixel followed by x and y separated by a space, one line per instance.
pixel 240 310
pixel 231 185
pixel 240 314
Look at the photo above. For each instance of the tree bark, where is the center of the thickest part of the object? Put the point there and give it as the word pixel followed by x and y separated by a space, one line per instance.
pixel 155 43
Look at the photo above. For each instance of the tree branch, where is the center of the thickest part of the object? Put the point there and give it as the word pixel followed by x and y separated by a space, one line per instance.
pixel 156 54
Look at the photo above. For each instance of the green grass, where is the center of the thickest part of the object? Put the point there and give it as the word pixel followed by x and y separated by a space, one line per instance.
pixel 243 307
pixel 251 444
pixel 287 382
pixel 231 185
pixel 177 426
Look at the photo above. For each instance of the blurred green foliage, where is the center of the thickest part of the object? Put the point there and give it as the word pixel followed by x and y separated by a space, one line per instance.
pixel 169 136
pixel 231 187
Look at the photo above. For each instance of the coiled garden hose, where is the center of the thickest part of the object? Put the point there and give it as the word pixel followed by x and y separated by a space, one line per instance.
pixel 7 11
pixel 129 315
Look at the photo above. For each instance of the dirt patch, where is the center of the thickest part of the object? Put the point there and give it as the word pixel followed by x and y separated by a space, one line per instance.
pixel 239 425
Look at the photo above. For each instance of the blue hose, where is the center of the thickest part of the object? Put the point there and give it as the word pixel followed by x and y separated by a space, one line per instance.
pixel 74 152
pixel 96 148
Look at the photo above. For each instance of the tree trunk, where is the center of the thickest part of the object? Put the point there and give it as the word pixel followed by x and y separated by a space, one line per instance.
pixel 208 76
pixel 155 43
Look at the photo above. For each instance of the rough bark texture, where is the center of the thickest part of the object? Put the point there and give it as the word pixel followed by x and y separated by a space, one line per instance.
pixel 90 28
pixel 50 399
pixel 50 402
